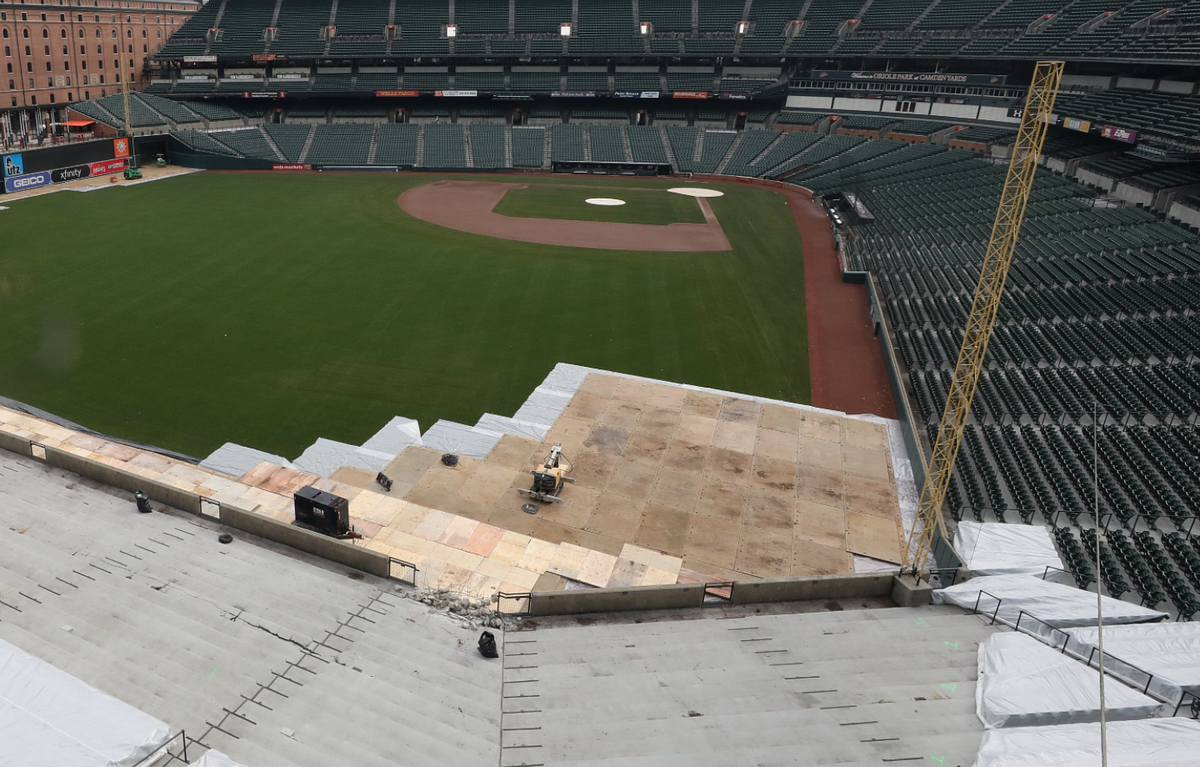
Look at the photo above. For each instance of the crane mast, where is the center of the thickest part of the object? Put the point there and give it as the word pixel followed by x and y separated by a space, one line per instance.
pixel 1018 184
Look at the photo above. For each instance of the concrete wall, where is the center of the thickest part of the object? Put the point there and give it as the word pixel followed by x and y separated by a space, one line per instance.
pixel 1187 215
pixel 1092 178
pixel 14 444
pixel 1131 193
pixel 813 587
pixel 616 600
pixel 125 480
pixel 342 552
pixel 684 595
pixel 320 545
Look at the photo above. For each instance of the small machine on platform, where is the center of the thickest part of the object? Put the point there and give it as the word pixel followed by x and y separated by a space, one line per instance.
pixel 548 481
pixel 322 512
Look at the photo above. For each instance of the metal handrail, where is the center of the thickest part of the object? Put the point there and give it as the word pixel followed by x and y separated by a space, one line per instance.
pixel 1059 569
pixel 1022 614
pixel 993 596
pixel 517 596
pixel 163 749
pixel 1195 700
pixel 1113 658
pixel 406 565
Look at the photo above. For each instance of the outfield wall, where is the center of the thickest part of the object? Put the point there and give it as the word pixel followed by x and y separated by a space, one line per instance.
pixel 941 548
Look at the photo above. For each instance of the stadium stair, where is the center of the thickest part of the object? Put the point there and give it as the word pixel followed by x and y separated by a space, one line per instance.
pixel 279 155
pixel 470 158
pixel 308 142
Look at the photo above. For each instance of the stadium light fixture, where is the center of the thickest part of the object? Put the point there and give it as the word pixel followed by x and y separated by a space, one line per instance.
pixel 451 31
pixel 564 29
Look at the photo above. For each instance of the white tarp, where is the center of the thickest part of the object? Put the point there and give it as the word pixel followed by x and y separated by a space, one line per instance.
pixel 991 548
pixel 1054 603
pixel 1023 683
pixel 1168 651
pixel 326 456
pixel 215 758
pixel 396 435
pixel 48 718
pixel 1140 743
pixel 235 460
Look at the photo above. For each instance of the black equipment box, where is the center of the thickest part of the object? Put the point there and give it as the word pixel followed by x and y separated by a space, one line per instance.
pixel 325 512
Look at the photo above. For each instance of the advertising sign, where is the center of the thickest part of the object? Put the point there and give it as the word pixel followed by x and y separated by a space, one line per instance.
pixel 74 173
pixel 396 94
pixel 636 95
pixel 689 95
pixel 911 77
pixel 1083 126
pixel 574 94
pixel 106 167
pixel 1119 134
pixel 291 166
pixel 14 165
pixel 28 181
pixel 263 95
pixel 200 59
pixel 264 57
pixel 735 96
pixel 456 94
pixel 120 147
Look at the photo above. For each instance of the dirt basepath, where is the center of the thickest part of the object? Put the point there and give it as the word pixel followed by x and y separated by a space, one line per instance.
pixel 844 357
pixel 467 207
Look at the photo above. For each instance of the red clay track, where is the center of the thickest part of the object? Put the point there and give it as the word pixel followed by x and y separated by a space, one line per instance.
pixel 467 207
pixel 844 357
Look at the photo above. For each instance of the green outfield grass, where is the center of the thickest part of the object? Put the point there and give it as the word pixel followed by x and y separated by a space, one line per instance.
pixel 569 202
pixel 270 310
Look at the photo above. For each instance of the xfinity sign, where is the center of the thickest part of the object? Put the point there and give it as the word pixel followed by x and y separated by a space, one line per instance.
pixel 28 181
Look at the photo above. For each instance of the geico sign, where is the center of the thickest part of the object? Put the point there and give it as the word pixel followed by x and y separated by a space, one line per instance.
pixel 28 181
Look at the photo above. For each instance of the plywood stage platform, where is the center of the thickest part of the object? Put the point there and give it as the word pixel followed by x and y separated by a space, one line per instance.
pixel 730 487
pixel 674 485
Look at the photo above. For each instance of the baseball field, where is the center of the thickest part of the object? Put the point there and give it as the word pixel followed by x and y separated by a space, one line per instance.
pixel 272 309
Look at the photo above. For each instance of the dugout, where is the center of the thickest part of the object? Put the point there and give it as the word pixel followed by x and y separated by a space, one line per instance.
pixel 597 168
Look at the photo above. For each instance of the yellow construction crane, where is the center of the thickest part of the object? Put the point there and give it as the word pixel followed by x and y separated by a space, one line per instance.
pixel 1018 184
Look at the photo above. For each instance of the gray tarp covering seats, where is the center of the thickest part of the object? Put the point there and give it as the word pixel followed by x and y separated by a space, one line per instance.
pixel 1061 606
pixel 1168 651
pixel 991 548
pixel 1022 683
pixel 49 718
pixel 1141 743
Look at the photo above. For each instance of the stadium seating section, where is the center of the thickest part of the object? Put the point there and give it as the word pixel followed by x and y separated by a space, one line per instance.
pixel 1084 29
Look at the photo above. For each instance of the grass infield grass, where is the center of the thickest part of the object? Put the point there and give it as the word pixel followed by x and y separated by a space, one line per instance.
pixel 569 202
pixel 270 310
